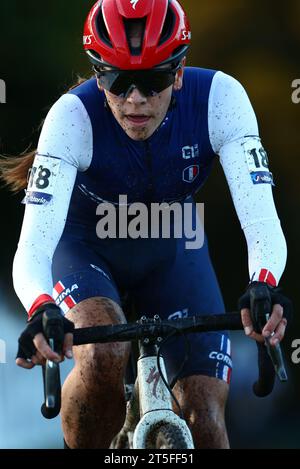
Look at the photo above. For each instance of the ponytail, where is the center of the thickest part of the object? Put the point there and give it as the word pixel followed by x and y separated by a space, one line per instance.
pixel 14 170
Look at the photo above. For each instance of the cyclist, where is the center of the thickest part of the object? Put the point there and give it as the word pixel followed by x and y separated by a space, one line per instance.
pixel 147 127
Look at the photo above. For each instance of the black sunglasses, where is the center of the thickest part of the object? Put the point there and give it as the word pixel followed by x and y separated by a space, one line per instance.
pixel 148 82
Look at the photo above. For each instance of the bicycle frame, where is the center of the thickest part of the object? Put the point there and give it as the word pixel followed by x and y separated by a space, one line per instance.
pixel 154 399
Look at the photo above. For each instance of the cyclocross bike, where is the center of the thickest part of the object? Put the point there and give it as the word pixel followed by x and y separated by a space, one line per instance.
pixel 151 421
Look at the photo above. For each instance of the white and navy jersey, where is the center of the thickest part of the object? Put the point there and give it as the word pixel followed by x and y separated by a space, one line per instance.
pixel 85 157
pixel 169 166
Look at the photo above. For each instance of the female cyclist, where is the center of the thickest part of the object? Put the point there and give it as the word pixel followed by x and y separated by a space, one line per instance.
pixel 147 127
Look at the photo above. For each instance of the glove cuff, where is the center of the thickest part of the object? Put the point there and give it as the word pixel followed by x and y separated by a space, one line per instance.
pixel 40 301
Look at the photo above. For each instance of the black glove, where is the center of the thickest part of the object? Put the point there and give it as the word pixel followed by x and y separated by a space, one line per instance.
pixel 273 295
pixel 37 324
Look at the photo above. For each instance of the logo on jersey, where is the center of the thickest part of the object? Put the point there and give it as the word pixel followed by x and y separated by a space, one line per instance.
pixel 36 198
pixel 190 152
pixel 134 3
pixel 100 271
pixel 191 173
pixel 221 357
pixel 94 197
pixel 262 177
pixel 87 40
pixel 63 296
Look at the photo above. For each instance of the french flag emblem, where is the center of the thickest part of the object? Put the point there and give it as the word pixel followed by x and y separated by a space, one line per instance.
pixel 62 296
pixel 191 173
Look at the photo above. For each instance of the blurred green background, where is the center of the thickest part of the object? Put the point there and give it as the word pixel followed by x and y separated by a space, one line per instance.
pixel 257 42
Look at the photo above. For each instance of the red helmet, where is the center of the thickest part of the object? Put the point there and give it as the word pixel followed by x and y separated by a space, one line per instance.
pixel 164 37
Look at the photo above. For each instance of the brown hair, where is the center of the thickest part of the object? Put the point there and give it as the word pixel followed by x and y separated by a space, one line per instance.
pixel 14 170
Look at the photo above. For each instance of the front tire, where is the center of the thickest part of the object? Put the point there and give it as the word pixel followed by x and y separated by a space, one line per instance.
pixel 166 436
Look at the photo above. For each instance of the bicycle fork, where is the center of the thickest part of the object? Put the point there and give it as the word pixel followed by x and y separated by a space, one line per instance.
pixel 154 399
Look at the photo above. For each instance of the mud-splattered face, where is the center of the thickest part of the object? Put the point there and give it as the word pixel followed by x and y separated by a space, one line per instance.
pixel 138 115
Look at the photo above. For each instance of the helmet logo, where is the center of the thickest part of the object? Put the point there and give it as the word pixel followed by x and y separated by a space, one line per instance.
pixel 133 3
pixel 87 40
pixel 186 35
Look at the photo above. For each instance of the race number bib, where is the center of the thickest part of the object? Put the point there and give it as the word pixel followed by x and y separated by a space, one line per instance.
pixel 42 180
pixel 257 161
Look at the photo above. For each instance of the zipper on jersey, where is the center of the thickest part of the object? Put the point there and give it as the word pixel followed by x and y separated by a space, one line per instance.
pixel 148 154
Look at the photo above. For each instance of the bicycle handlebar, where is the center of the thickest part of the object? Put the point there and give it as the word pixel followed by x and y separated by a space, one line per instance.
pixel 138 331
pixel 270 360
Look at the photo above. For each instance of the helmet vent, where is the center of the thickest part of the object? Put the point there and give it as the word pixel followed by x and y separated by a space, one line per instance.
pixel 102 29
pixel 135 30
pixel 168 27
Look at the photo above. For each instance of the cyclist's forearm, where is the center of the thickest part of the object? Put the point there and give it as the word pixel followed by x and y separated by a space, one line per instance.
pixel 257 213
pixel 267 251
pixel 31 274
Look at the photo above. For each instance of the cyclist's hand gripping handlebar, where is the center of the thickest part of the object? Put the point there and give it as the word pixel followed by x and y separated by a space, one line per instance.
pixel 270 359
pixel 53 327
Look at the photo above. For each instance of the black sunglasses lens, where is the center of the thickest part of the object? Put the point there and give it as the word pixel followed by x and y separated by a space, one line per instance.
pixel 149 82
pixel 156 82
pixel 111 82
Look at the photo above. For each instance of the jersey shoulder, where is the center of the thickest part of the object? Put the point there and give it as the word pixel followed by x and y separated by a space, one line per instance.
pixel 197 83
pixel 67 132
pixel 230 112
pixel 89 93
pixel 227 86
